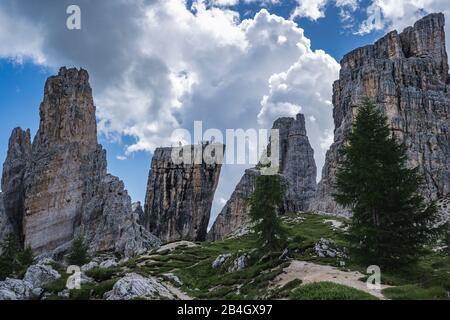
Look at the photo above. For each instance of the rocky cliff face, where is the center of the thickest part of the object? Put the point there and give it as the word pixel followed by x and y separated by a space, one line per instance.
pixel 5 225
pixel 406 76
pixel 138 211
pixel 297 165
pixel 58 187
pixel 64 149
pixel 179 197
pixel 235 212
pixel 297 169
pixel 17 160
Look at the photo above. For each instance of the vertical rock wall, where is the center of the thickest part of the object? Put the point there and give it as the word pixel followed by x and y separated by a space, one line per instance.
pixel 17 160
pixel 406 76
pixel 179 197
pixel 58 187
pixel 297 169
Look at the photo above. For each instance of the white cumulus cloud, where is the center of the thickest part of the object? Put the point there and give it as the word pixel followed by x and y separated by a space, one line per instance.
pixel 157 66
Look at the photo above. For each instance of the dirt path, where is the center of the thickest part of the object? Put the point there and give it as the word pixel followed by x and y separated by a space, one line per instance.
pixel 177 292
pixel 172 246
pixel 311 272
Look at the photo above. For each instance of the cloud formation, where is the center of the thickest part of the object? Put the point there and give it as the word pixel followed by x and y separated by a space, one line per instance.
pixel 157 66
pixel 388 14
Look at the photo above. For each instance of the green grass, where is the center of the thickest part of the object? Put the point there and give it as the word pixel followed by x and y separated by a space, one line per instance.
pixel 193 264
pixel 428 279
pixel 82 294
pixel 102 274
pixel 415 292
pixel 59 284
pixel 328 291
pixel 101 288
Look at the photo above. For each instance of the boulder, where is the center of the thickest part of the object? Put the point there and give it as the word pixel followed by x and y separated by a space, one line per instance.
pixel 14 289
pixel 220 260
pixel 40 275
pixel 134 286
pixel 108 264
pixel 89 266
pixel 239 264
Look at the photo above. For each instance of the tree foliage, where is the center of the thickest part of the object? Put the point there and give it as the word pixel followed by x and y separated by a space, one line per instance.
pixel 78 254
pixel 391 222
pixel 14 260
pixel 264 206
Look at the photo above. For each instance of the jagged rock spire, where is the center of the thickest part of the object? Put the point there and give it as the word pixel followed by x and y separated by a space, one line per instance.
pixel 17 159
pixel 406 76
pixel 58 187
pixel 179 196
pixel 297 169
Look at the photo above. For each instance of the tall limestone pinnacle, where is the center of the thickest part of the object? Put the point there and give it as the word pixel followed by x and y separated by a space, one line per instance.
pixel 18 157
pixel 65 143
pixel 406 76
pixel 61 180
pixel 297 169
pixel 179 196
pixel 297 165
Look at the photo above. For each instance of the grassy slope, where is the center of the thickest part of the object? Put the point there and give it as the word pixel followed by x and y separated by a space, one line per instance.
pixel 430 279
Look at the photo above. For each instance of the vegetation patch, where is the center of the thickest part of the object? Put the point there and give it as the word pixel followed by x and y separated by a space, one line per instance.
pixel 328 291
pixel 415 292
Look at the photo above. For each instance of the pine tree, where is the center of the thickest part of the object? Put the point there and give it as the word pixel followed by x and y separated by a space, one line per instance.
pixel 9 249
pixel 25 257
pixel 14 260
pixel 391 222
pixel 78 254
pixel 264 204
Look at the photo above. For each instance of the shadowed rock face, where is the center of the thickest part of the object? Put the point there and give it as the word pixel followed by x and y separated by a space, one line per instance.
pixel 60 183
pixel 18 157
pixel 297 165
pixel 137 209
pixel 406 76
pixel 5 224
pixel 297 169
pixel 179 197
pixel 235 213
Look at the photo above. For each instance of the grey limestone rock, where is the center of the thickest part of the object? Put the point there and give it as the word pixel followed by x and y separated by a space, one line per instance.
pixel 406 76
pixel 180 195
pixel 296 168
pixel 58 188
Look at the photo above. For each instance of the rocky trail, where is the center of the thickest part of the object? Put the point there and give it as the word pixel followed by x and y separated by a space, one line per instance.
pixel 309 272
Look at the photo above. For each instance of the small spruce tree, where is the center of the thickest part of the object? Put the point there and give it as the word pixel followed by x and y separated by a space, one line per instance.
pixel 9 249
pixel 391 222
pixel 25 257
pixel 264 205
pixel 78 254
pixel 14 260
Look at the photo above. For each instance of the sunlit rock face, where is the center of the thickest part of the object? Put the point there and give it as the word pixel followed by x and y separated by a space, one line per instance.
pixel 57 187
pixel 406 76
pixel 179 196
pixel 64 152
pixel 297 170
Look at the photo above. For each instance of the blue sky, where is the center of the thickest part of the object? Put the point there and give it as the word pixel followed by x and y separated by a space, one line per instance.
pixel 25 65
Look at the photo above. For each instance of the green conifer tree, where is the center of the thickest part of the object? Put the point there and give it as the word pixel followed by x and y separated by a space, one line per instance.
pixel 264 206
pixel 78 254
pixel 391 222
